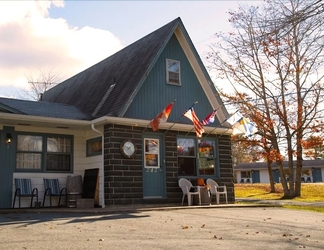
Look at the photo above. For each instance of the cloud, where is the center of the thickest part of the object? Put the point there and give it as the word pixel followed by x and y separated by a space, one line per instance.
pixel 33 42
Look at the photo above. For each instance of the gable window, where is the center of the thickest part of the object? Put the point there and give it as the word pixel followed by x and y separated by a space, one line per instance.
pixel 44 153
pixel 173 71
pixel 196 157
pixel 94 146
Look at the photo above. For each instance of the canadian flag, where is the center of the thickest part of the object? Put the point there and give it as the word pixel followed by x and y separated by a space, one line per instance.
pixel 162 117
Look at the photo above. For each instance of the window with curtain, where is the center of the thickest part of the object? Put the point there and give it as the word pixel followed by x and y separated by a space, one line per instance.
pixel 44 153
pixel 196 157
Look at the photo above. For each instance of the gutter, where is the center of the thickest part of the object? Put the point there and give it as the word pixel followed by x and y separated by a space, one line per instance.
pixel 102 187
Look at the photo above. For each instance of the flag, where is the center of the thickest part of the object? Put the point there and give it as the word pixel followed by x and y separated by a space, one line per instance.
pixel 162 117
pixel 244 126
pixel 191 115
pixel 236 117
pixel 209 118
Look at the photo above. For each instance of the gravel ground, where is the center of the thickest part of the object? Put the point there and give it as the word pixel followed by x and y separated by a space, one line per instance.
pixel 229 228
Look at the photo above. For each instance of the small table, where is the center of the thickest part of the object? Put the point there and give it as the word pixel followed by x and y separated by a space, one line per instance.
pixel 204 196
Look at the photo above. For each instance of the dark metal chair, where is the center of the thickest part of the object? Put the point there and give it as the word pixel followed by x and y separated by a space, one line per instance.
pixel 52 188
pixel 24 189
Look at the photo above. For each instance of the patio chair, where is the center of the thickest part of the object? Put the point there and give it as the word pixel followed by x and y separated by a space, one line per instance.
pixel 217 190
pixel 52 188
pixel 24 189
pixel 186 187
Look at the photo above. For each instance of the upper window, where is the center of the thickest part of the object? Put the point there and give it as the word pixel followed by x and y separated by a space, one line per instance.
pixel 173 71
pixel 44 153
pixel 196 157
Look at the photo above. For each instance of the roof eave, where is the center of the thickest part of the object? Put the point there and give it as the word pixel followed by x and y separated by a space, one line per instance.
pixel 201 73
pixel 38 121
pixel 163 126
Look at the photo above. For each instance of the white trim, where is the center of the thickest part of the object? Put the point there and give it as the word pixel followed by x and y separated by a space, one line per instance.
pixel 166 125
pixel 49 122
pixel 200 74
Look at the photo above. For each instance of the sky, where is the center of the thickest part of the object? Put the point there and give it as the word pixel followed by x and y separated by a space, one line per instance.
pixel 62 38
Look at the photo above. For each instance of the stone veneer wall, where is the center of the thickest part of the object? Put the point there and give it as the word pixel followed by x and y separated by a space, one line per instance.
pixel 123 177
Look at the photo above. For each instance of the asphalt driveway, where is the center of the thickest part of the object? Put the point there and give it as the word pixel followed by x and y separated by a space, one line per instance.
pixel 214 228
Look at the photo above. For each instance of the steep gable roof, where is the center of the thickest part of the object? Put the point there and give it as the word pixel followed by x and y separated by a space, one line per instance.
pixel 44 109
pixel 108 87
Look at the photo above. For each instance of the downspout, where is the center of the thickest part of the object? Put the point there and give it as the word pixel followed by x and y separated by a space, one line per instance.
pixel 102 187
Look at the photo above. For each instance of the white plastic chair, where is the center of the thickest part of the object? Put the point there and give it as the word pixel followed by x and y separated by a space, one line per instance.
pixel 186 185
pixel 217 190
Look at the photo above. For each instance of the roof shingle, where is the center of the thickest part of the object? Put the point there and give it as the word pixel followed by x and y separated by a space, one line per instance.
pixel 44 109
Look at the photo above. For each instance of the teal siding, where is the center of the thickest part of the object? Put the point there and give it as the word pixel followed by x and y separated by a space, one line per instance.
pixel 155 94
pixel 7 167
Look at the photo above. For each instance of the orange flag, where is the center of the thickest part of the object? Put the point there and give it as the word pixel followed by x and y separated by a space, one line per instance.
pixel 162 117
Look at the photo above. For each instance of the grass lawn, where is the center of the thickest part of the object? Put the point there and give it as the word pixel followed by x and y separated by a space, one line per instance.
pixel 310 192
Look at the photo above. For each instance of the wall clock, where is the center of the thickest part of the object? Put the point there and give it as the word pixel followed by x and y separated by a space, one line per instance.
pixel 128 148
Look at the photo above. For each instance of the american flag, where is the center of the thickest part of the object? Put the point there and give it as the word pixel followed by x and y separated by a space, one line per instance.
pixel 191 115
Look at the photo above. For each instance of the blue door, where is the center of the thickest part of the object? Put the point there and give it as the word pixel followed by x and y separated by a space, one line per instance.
pixel 275 174
pixel 317 175
pixel 256 176
pixel 153 166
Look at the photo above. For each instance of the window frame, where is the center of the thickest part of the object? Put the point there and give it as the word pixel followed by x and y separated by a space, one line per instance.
pixel 44 153
pixel 197 158
pixel 156 152
pixel 206 156
pixel 168 72
pixel 30 152
pixel 89 142
pixel 247 174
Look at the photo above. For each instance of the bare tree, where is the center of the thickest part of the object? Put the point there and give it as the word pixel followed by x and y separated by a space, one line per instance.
pixel 37 87
pixel 274 60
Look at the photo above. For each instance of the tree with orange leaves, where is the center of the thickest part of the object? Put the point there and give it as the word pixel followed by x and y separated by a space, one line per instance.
pixel 273 60
pixel 313 147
